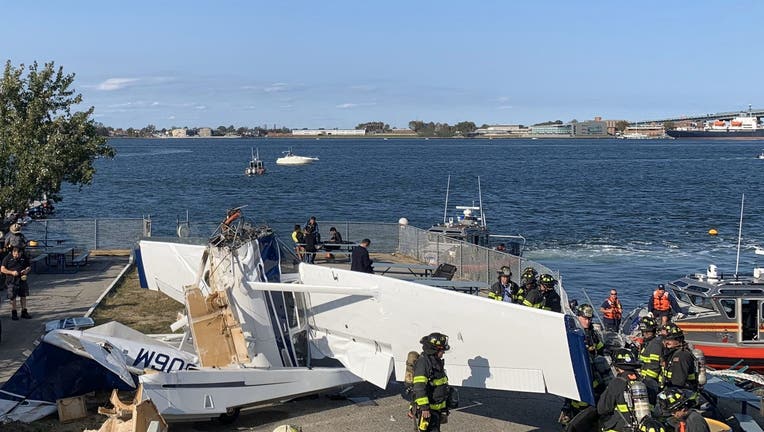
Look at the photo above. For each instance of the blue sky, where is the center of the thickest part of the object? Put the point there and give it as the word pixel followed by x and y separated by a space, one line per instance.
pixel 339 63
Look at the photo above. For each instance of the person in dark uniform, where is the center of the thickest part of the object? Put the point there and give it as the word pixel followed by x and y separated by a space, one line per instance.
pixel 16 267
pixel 594 345
pixel 527 283
pixel 616 413
pixel 311 244
pixel 679 369
pixel 503 289
pixel 334 238
pixel 551 300
pixel 650 355
pixel 312 225
pixel 679 403
pixel 431 384
pixel 359 259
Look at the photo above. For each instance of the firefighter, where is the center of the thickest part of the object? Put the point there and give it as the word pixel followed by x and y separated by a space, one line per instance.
pixel 504 289
pixel 430 387
pixel 593 342
pixel 551 300
pixel 527 283
pixel 624 403
pixel 679 368
pixel 650 355
pixel 679 403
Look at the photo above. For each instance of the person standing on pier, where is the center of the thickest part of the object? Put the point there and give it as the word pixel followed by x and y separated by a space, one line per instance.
pixel 16 268
pixel 359 259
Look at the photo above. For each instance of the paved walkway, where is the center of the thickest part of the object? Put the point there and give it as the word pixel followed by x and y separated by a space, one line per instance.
pixel 53 296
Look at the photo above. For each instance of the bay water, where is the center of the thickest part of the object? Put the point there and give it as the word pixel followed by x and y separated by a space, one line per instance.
pixel 625 214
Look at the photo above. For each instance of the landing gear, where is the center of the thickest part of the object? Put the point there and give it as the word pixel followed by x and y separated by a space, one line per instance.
pixel 230 416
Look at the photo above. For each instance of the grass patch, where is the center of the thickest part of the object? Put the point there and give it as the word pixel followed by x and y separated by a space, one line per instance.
pixel 141 309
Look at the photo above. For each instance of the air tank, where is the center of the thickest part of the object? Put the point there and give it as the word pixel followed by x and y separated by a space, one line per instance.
pixel 701 359
pixel 639 400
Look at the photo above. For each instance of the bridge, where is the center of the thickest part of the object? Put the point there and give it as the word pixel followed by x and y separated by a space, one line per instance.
pixel 758 113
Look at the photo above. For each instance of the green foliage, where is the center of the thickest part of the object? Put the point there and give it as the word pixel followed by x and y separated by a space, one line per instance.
pixel 43 142
pixel 621 125
pixel 669 125
pixel 441 130
pixel 375 127
pixel 549 123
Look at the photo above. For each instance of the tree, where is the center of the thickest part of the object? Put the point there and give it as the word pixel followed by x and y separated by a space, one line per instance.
pixel 621 125
pixel 669 125
pixel 43 143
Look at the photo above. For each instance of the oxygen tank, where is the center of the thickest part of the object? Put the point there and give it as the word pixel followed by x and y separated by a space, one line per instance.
pixel 408 377
pixel 701 365
pixel 639 400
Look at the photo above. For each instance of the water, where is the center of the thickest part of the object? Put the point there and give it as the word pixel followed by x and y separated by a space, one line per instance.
pixel 606 213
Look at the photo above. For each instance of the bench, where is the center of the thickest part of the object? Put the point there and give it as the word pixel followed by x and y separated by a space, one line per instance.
pixel 36 260
pixel 81 259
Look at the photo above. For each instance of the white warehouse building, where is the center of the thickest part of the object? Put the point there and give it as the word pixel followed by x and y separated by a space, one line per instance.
pixel 317 132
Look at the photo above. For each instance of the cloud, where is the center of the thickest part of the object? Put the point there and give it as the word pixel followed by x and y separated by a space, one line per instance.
pixel 112 84
pixel 276 88
pixel 201 107
pixel 350 105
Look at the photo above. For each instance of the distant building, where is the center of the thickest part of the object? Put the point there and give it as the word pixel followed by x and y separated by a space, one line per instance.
pixel 652 130
pixel 590 128
pixel 179 133
pixel 205 132
pixel 327 132
pixel 501 130
pixel 553 130
pixel 611 126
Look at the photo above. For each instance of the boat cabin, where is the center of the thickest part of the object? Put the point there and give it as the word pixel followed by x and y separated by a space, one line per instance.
pixel 722 308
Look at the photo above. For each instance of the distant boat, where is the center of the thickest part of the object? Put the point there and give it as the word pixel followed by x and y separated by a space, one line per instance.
pixel 256 166
pixel 290 158
pixel 761 155
pixel 744 126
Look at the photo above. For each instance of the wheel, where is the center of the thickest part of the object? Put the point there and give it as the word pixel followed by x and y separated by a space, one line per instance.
pixel 230 416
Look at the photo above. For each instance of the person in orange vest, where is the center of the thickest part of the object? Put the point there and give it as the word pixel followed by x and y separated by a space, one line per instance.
pixel 611 311
pixel 662 304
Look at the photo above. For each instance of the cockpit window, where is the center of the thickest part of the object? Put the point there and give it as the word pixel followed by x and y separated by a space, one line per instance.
pixel 682 296
pixel 679 283
pixel 696 288
pixel 701 301
pixel 728 306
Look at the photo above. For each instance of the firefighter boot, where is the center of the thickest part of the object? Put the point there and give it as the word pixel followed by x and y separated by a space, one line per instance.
pixel 25 314
pixel 14 315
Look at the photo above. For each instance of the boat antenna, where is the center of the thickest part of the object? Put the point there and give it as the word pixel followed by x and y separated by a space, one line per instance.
pixel 739 235
pixel 480 197
pixel 445 209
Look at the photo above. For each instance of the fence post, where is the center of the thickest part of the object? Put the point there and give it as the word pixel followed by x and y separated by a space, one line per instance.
pixel 95 233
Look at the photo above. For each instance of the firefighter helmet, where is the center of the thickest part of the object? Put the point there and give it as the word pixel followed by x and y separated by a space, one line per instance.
pixel 647 324
pixel 673 332
pixel 547 280
pixel 650 424
pixel 673 399
pixel 625 359
pixel 504 271
pixel 585 310
pixel 435 342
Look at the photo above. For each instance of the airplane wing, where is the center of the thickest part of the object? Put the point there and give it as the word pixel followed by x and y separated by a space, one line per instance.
pixel 169 267
pixel 494 345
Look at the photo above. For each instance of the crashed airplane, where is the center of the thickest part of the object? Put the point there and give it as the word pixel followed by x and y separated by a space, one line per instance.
pixel 255 335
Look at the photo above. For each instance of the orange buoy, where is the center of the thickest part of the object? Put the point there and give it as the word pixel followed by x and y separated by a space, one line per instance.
pixel 713 232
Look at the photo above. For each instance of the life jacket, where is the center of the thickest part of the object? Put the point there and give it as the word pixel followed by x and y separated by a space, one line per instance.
pixel 661 302
pixel 615 311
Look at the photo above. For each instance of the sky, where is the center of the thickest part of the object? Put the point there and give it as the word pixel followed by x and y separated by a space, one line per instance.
pixel 336 64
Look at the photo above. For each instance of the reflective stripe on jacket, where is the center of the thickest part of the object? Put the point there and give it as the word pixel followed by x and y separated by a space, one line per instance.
pixel 430 383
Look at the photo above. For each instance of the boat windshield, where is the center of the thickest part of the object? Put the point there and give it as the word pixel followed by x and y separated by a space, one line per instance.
pixel 693 299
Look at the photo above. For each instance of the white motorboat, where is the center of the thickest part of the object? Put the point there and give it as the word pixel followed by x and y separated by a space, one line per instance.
pixel 256 166
pixel 290 158
pixel 761 155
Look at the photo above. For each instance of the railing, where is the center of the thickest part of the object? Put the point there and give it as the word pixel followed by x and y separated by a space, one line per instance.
pixel 473 262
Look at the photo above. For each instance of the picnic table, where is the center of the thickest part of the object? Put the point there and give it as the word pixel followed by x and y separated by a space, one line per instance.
pixel 57 256
pixel 415 269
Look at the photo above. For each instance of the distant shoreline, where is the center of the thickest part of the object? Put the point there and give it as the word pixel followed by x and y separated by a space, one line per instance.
pixel 320 137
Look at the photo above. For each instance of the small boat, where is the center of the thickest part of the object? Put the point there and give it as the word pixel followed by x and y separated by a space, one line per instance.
pixel 761 155
pixel 256 166
pixel 470 226
pixel 290 158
